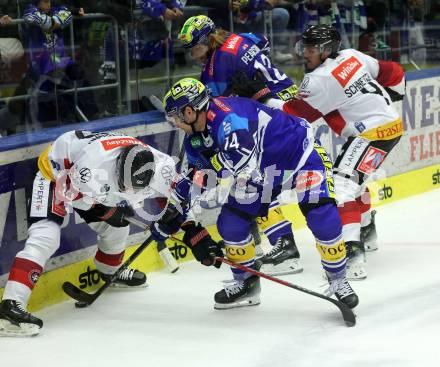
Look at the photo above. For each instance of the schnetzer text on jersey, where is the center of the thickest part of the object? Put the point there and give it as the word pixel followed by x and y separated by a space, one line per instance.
pixel 358 85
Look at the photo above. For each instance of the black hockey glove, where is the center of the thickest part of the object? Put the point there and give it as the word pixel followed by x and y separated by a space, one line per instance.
pixel 203 247
pixel 395 96
pixel 113 215
pixel 169 223
pixel 255 89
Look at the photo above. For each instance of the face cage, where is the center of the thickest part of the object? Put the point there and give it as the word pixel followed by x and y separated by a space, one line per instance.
pixel 171 117
pixel 299 47
pixel 202 40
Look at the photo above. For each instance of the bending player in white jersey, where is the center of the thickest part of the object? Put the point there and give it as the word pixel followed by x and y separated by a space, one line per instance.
pixel 102 176
pixel 354 93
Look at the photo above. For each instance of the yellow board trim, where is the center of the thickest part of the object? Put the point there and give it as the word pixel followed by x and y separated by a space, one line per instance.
pixel 48 289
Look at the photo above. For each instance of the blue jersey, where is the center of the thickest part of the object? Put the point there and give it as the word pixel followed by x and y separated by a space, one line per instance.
pixel 156 8
pixel 246 137
pixel 46 46
pixel 243 52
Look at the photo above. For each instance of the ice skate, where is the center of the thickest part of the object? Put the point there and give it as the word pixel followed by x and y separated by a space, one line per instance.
pixel 283 258
pixel 339 286
pixel 355 260
pixel 239 293
pixel 129 278
pixel 369 234
pixel 16 321
pixel 257 239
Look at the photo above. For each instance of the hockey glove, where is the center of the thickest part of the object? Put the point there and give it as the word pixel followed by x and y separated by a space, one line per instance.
pixel 394 95
pixel 169 223
pixel 113 215
pixel 255 89
pixel 203 247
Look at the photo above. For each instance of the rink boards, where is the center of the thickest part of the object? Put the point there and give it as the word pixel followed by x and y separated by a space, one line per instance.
pixel 412 168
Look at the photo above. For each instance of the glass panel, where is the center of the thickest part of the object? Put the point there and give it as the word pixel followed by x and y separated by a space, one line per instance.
pixel 108 60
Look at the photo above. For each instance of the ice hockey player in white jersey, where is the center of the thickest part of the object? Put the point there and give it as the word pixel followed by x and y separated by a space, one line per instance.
pixel 354 93
pixel 104 177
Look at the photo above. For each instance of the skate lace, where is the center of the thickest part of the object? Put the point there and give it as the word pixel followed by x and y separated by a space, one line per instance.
pixel 22 309
pixel 127 274
pixel 340 287
pixel 233 287
pixel 276 248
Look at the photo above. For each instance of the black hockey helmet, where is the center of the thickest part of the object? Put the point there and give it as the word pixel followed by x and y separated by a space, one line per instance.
pixel 135 168
pixel 323 36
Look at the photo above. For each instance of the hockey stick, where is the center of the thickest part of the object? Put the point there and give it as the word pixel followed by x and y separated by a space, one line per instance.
pixel 347 314
pixel 86 299
pixel 165 254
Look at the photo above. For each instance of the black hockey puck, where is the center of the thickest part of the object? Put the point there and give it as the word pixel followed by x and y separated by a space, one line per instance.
pixel 80 304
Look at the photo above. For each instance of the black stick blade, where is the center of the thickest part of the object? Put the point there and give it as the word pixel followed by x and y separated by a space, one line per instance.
pixel 347 314
pixel 77 294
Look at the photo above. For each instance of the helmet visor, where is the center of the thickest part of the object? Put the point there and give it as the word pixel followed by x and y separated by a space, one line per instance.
pixel 301 48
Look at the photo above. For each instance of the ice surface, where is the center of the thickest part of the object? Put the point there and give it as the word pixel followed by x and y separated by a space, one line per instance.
pixel 173 323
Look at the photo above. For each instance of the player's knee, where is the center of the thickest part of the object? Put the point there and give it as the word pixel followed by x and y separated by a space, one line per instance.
pixel 232 227
pixel 345 188
pixel 111 240
pixel 43 241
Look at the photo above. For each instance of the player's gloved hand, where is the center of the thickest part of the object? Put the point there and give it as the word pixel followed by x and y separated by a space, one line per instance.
pixel 203 247
pixel 255 89
pixel 167 225
pixel 113 215
pixel 394 95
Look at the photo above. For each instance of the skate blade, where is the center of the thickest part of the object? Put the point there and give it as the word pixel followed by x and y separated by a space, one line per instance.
pixel 291 266
pixel 371 246
pixel 252 301
pixel 125 286
pixel 356 272
pixel 259 253
pixel 24 330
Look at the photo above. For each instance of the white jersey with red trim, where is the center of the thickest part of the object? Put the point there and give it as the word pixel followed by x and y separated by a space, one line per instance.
pixel 90 159
pixel 348 92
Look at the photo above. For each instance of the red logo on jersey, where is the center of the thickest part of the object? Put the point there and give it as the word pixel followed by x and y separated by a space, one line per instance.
pixel 109 144
pixel 371 160
pixel 221 105
pixel 232 44
pixel 58 206
pixel 211 115
pixel 344 72
pixel 307 180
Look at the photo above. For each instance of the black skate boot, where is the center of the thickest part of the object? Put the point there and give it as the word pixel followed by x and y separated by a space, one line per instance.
pixel 339 286
pixel 239 293
pixel 355 260
pixel 283 258
pixel 255 232
pixel 129 278
pixel 16 321
pixel 369 234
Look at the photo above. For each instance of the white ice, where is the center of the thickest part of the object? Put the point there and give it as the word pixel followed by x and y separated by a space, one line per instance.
pixel 173 323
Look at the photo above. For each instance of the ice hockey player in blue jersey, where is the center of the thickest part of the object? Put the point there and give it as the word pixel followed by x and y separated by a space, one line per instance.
pixel 265 151
pixel 225 55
